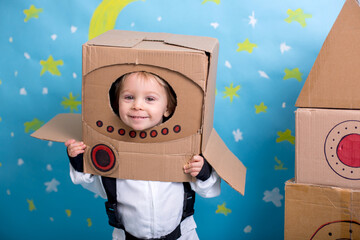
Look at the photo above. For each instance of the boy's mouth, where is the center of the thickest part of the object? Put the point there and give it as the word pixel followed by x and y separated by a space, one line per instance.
pixel 137 117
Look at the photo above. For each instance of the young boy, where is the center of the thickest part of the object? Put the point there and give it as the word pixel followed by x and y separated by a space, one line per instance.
pixel 148 209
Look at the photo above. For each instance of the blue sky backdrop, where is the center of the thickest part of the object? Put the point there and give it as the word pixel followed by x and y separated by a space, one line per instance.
pixel 267 49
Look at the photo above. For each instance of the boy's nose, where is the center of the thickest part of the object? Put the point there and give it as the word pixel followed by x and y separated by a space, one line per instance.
pixel 138 104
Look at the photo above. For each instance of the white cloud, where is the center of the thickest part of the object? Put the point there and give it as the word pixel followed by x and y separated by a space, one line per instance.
pixel 273 196
pixel 237 135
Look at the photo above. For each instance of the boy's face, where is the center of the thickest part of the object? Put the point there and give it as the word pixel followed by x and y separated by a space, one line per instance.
pixel 142 102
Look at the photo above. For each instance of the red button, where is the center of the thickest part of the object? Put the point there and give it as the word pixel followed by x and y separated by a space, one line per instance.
pixel 348 150
pixel 103 157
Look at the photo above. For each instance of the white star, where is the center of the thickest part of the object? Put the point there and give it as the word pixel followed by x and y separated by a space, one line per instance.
pixel 26 55
pixel 237 135
pixel 49 167
pixel 283 105
pixel 227 64
pixel 52 185
pixel 215 25
pixel 263 74
pixel 73 29
pixel 20 162
pixel 284 47
pixel 45 91
pixel 274 196
pixel 159 19
pixel 247 229
pixel 23 91
pixel 252 20
pixel 53 37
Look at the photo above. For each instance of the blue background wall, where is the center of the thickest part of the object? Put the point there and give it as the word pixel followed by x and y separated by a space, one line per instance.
pixel 267 49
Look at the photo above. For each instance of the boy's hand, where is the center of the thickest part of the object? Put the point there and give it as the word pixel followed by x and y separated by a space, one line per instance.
pixel 194 166
pixel 74 148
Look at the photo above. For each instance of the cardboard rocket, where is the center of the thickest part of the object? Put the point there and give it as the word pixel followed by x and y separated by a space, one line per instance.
pixel 328 118
pixel 189 65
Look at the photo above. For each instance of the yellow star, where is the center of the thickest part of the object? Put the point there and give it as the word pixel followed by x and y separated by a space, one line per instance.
pixel 89 222
pixel 298 16
pixel 68 212
pixel 294 73
pixel 215 1
pixel 31 205
pixel 51 66
pixel 32 12
pixel 246 46
pixel 34 125
pixel 222 209
pixel 285 136
pixel 260 108
pixel 231 92
pixel 280 165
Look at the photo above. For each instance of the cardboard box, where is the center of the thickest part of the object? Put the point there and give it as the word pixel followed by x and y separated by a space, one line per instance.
pixel 328 147
pixel 319 212
pixel 189 65
pixel 327 121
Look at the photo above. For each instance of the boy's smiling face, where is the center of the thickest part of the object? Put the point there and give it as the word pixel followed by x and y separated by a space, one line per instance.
pixel 142 102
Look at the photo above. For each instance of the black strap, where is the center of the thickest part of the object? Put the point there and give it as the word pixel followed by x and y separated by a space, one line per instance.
pixel 116 221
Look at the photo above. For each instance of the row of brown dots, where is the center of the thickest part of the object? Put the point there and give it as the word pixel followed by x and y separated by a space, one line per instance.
pixel 142 134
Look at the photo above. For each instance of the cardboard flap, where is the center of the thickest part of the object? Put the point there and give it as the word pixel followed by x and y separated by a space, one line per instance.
pixel 333 81
pixel 128 39
pixel 61 128
pixel 225 163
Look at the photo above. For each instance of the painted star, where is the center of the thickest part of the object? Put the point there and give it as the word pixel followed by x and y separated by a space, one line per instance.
pixel 71 102
pixel 52 185
pixel 68 212
pixel 222 209
pixel 285 136
pixel 246 46
pixel 89 222
pixel 252 20
pixel 237 135
pixel 260 108
pixel 284 47
pixel 273 196
pixel 34 125
pixel 215 1
pixel 298 16
pixel 32 12
pixel 294 73
pixel 31 205
pixel 280 165
pixel 231 92
pixel 51 66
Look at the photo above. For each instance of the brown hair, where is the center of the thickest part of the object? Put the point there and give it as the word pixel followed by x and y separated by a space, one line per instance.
pixel 117 86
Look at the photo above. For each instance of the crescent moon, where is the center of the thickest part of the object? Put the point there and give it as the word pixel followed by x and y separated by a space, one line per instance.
pixel 105 15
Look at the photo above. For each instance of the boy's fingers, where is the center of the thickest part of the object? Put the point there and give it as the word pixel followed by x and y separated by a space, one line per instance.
pixel 68 142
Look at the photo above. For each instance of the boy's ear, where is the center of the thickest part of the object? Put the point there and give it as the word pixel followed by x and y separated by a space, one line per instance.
pixel 167 113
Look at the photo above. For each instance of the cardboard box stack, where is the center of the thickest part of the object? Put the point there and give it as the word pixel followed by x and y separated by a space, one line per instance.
pixel 324 200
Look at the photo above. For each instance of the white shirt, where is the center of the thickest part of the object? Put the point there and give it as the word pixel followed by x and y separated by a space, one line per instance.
pixel 150 209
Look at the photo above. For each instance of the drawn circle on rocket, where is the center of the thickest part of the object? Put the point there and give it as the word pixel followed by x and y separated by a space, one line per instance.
pixel 103 158
pixel 338 230
pixel 342 149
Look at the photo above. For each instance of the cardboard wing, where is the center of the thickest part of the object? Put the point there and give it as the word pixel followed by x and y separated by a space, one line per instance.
pixel 61 128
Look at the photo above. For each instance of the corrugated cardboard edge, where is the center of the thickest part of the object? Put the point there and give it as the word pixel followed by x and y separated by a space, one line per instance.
pixel 61 128
pixel 123 38
pixel 335 71
pixel 225 163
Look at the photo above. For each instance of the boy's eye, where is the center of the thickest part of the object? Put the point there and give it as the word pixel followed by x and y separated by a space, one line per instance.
pixel 128 97
pixel 150 99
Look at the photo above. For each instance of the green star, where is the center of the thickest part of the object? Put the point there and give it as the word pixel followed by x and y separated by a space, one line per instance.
pixel 280 165
pixel 231 92
pixel 215 1
pixel 246 46
pixel 295 73
pixel 285 136
pixel 51 66
pixel 260 108
pixel 298 16
pixel 71 102
pixel 32 12
pixel 222 209
pixel 34 125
